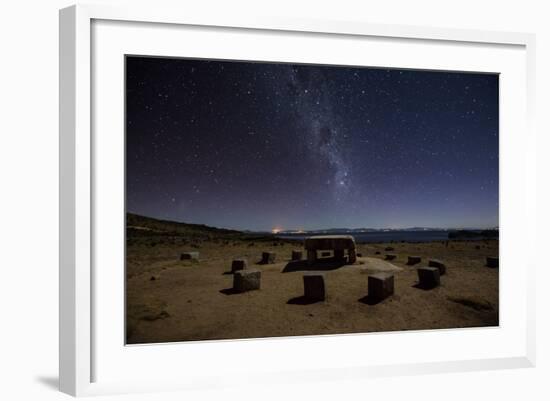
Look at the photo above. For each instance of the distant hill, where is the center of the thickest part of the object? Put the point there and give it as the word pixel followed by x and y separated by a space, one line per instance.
pixel 137 226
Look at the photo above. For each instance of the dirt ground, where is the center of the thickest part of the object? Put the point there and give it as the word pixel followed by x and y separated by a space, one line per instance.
pixel 173 300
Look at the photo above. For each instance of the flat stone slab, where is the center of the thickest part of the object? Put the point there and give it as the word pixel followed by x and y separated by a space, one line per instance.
pixel 314 286
pixel 329 242
pixel 268 258
pixel 189 256
pixel 381 286
pixel 492 261
pixel 239 264
pixel 428 277
pixel 247 280
pixel 439 264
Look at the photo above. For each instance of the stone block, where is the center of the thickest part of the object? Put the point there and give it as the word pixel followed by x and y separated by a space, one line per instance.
pixel 380 286
pixel 239 264
pixel 297 255
pixel 339 254
pixel 439 264
pixel 414 260
pixel 189 256
pixel 311 256
pixel 352 256
pixel 268 258
pixel 247 280
pixel 324 242
pixel 428 277
pixel 390 256
pixel 314 286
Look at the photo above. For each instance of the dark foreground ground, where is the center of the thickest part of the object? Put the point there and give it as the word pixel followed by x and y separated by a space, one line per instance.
pixel 173 300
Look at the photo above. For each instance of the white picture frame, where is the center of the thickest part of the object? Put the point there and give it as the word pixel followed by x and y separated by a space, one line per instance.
pixel 82 344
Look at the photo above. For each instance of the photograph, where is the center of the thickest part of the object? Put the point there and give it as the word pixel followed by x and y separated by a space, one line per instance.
pixel 270 199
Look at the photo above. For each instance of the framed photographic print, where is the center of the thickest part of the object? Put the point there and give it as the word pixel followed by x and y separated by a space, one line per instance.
pixel 348 194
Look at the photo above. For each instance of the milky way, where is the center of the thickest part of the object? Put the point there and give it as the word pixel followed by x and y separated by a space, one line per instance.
pixel 319 126
pixel 257 145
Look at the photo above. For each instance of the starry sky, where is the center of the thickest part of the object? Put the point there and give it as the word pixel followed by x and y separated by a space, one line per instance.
pixel 257 146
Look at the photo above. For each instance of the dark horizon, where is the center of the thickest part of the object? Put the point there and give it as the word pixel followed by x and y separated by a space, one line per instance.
pixel 258 146
pixel 291 230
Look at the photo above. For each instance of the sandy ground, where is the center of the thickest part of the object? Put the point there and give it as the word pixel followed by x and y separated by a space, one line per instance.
pixel 173 300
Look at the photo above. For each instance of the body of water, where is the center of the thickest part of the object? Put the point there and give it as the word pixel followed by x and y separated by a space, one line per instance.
pixel 387 236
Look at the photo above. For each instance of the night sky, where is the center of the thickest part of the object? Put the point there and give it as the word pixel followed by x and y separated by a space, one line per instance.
pixel 256 146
